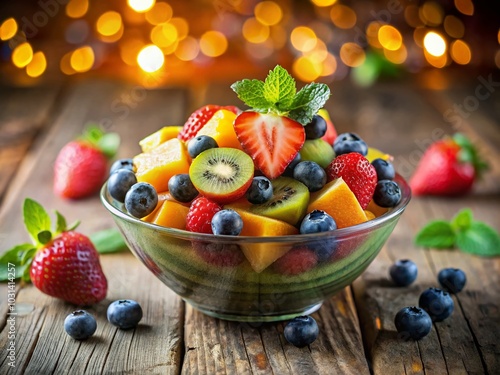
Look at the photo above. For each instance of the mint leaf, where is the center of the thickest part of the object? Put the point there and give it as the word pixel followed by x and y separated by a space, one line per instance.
pixel 437 234
pixel 108 241
pixel 479 239
pixel 36 218
pixel 109 144
pixel 279 88
pixel 462 220
pixel 11 261
pixel 251 92
pixel 308 102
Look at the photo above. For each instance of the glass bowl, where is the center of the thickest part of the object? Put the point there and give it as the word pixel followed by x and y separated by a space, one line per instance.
pixel 213 275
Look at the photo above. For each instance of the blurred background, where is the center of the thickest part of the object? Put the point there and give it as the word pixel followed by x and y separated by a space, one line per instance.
pixel 177 42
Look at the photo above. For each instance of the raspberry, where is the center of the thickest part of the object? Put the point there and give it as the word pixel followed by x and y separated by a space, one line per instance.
pixel 200 215
pixel 358 174
pixel 296 261
pixel 219 254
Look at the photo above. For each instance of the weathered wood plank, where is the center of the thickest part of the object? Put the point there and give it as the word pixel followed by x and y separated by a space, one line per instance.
pixel 215 346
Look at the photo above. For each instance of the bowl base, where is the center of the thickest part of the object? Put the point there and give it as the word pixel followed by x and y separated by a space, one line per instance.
pixel 255 318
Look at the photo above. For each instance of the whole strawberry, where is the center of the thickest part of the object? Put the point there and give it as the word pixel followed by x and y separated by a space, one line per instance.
pixel 448 167
pixel 199 118
pixel 61 263
pixel 358 174
pixel 82 165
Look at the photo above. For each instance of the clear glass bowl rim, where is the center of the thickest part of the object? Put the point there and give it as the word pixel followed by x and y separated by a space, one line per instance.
pixel 348 232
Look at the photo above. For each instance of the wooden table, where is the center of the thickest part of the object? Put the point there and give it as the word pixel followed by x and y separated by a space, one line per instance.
pixel 357 333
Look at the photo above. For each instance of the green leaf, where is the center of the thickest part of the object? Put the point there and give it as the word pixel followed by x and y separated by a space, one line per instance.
pixel 479 239
pixel 462 220
pixel 108 241
pixel 251 92
pixel 11 259
pixel 308 102
pixel 437 234
pixel 279 88
pixel 73 226
pixel 109 144
pixel 61 223
pixel 44 236
pixel 27 256
pixel 93 134
pixel 36 218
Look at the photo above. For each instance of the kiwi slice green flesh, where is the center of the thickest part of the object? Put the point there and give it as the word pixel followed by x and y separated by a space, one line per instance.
pixel 317 150
pixel 289 201
pixel 222 174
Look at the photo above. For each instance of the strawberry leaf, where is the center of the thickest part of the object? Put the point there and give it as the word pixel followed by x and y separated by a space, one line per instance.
pixel 279 88
pixel 73 226
pixel 12 261
pixel 108 241
pixel 469 153
pixel 479 239
pixel 36 219
pixel 44 236
pixel 61 223
pixel 308 101
pixel 251 92
pixel 437 234
pixel 109 144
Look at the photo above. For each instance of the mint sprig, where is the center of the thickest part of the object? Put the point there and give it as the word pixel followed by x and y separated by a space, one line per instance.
pixel 463 232
pixel 278 94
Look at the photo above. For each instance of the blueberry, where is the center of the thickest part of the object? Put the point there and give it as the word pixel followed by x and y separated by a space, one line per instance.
pixel 452 279
pixel 227 222
pixel 403 272
pixel 291 166
pixel 122 164
pixel 301 331
pixel 438 304
pixel 315 222
pixel 349 142
pixel 310 174
pixel 181 188
pixel 120 182
pixel 413 322
pixel 260 191
pixel 316 128
pixel 124 313
pixel 141 199
pixel 199 144
pixel 387 193
pixel 80 325
pixel 385 170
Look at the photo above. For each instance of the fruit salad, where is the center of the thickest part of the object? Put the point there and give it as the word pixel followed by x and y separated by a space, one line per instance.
pixel 276 169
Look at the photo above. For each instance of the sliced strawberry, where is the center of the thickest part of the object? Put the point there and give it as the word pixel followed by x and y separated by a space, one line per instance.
pixel 271 140
pixel 199 118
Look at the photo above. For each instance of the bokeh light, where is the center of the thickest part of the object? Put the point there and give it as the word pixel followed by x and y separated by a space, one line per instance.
pixel 460 52
pixel 164 35
pixel 436 61
pixel 254 31
pixel 188 49
pixel 182 26
pixel 431 13
pixel 398 56
pixel 454 27
pixel 22 55
pixel 159 13
pixel 465 7
pixel 390 38
pixel 141 6
pixel 213 43
pixel 329 65
pixel 109 23
pixel 372 34
pixel 342 16
pixel 8 29
pixel 150 58
pixel 65 64
pixel 412 16
pixel 352 54
pixel 129 49
pixel 77 8
pixel 306 69
pixel 37 65
pixel 303 38
pixel 434 44
pixel 324 3
pixel 268 13
pixel 82 59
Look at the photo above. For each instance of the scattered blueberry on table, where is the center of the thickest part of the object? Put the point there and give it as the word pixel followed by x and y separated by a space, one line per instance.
pixel 438 304
pixel 452 280
pixel 403 272
pixel 124 313
pixel 80 325
pixel 301 331
pixel 413 322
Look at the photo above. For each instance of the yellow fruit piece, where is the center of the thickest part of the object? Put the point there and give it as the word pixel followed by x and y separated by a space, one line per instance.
pixel 172 214
pixel 157 138
pixel 156 167
pixel 337 200
pixel 161 198
pixel 220 127
pixel 369 215
pixel 376 209
pixel 260 256
pixel 373 154
pixel 324 113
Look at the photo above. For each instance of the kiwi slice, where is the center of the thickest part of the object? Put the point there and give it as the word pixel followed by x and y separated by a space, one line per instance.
pixel 317 150
pixel 289 201
pixel 222 174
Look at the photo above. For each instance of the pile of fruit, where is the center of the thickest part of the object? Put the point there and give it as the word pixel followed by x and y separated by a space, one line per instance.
pixel 277 169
